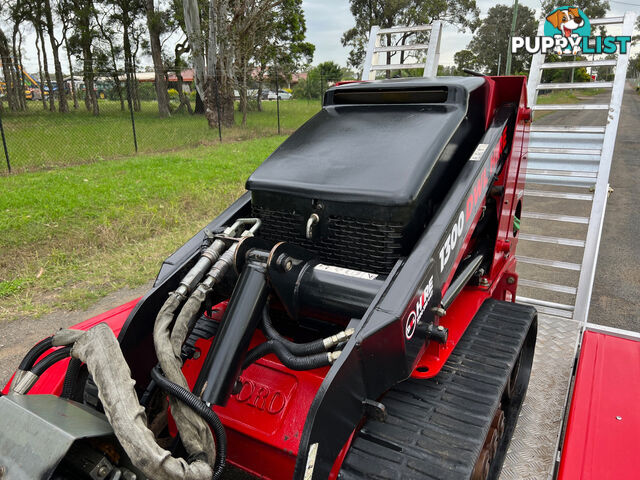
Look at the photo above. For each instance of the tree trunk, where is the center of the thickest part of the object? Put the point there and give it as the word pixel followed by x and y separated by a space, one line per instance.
pixel 40 76
pixel 5 57
pixel 244 104
pixel 45 64
pixel 74 94
pixel 86 38
pixel 129 63
pixel 62 97
pixel 17 54
pixel 154 25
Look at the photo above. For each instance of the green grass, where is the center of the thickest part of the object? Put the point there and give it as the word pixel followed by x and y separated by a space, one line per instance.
pixel 38 139
pixel 71 235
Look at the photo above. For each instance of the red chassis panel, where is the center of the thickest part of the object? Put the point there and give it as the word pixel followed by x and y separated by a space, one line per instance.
pixel 601 441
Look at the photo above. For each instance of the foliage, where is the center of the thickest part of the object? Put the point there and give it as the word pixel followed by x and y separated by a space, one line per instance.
pixel 591 8
pixel 462 13
pixel 562 75
pixel 466 59
pixel 146 91
pixel 490 42
pixel 318 80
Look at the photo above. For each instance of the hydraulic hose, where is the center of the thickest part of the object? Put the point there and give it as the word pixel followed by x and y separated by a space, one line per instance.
pixel 299 349
pixel 199 407
pixel 288 359
pixel 25 379
pixel 100 351
pixel 38 349
pixel 50 359
pixel 71 377
pixel 196 435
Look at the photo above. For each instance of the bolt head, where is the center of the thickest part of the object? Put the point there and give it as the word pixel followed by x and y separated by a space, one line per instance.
pixel 511 280
pixel 440 327
pixel 288 265
pixel 102 471
pixel 618 417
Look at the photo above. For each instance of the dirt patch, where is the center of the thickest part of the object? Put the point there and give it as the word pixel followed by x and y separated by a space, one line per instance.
pixel 18 336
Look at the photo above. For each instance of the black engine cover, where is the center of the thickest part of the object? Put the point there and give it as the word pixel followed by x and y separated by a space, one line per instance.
pixel 373 164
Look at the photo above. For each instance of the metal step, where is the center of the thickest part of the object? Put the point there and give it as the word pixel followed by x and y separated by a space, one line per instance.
pixel 562 195
pixel 572 86
pixel 547 310
pixel 545 262
pixel 535 128
pixel 417 28
pixel 607 20
pixel 555 217
pixel 552 287
pixel 561 173
pixel 571 106
pixel 398 48
pixel 397 66
pixel 570 242
pixel 565 151
pixel 578 64
pixel 543 303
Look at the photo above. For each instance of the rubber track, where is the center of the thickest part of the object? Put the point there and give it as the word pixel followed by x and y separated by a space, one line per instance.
pixel 435 428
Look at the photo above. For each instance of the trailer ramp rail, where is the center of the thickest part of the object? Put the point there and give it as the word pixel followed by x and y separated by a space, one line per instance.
pixel 375 62
pixel 565 198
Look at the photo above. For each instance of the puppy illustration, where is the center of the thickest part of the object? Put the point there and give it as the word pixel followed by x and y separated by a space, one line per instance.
pixel 566 21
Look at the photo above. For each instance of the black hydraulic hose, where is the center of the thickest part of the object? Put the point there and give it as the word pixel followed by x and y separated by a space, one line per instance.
pixel 198 406
pixel 299 349
pixel 73 370
pixel 288 359
pixel 50 359
pixel 35 352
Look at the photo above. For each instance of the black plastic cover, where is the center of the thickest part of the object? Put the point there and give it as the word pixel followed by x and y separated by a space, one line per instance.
pixel 368 152
pixel 373 172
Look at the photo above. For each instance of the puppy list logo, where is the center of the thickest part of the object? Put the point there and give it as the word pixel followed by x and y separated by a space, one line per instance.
pixel 567 31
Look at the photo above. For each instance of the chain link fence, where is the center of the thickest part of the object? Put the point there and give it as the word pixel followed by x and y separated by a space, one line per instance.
pixel 38 138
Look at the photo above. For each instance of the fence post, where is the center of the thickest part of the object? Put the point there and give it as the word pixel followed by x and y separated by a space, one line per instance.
pixel 129 102
pixel 277 98
pixel 4 144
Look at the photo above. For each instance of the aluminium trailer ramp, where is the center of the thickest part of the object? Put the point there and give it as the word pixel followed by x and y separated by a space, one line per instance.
pixel 563 212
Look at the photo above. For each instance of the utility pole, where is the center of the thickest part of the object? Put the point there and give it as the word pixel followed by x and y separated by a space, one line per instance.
pixel 511 34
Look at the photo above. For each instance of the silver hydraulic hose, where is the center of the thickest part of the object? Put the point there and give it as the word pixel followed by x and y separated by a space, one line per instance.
pixel 99 349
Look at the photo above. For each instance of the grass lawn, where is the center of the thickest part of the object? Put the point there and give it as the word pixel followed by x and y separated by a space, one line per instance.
pixel 562 97
pixel 71 235
pixel 38 140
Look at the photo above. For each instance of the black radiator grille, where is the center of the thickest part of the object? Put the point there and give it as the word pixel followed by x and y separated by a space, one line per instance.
pixel 350 243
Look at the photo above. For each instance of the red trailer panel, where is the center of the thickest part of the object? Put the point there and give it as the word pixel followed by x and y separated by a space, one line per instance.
pixel 601 440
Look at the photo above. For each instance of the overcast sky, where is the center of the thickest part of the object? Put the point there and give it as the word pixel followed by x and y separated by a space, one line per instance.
pixel 328 19
pixel 326 22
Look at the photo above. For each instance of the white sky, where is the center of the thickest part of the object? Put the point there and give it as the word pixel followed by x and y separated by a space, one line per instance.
pixel 326 22
pixel 328 19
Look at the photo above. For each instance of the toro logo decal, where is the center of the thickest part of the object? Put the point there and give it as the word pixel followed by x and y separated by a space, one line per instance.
pixel 261 397
pixel 416 314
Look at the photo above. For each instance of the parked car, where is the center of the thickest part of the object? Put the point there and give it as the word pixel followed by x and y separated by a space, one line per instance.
pixel 283 94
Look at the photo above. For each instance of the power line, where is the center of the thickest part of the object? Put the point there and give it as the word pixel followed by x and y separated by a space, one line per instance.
pixel 625 3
